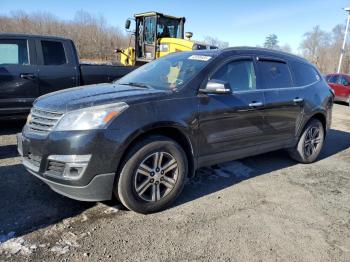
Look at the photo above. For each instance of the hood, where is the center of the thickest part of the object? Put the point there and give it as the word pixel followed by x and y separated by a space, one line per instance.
pixel 93 95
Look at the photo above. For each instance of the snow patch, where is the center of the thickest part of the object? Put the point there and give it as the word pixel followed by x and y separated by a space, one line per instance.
pixel 15 246
pixel 113 209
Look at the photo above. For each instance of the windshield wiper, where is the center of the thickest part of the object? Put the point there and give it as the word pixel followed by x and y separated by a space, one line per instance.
pixel 136 84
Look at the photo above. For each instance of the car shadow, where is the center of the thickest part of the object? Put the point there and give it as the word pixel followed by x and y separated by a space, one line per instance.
pixel 213 179
pixel 27 204
pixel 10 127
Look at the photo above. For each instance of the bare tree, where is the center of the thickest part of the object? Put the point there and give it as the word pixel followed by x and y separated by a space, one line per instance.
pixel 215 42
pixel 271 42
pixel 323 48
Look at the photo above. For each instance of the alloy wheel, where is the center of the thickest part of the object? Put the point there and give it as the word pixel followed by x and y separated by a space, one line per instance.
pixel 156 176
pixel 312 141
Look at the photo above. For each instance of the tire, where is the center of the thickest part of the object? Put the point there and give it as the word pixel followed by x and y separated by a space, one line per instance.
pixel 310 143
pixel 144 188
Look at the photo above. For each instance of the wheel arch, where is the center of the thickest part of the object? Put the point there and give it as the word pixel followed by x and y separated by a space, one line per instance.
pixel 173 131
pixel 319 115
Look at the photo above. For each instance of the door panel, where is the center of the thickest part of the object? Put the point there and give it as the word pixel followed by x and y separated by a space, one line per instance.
pixel 343 88
pixel 284 103
pixel 232 122
pixel 18 78
pixel 227 122
pixel 57 70
pixel 283 114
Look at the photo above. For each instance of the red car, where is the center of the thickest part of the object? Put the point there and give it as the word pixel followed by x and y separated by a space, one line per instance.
pixel 340 83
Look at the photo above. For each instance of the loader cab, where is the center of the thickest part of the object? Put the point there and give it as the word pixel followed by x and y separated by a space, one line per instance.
pixel 150 28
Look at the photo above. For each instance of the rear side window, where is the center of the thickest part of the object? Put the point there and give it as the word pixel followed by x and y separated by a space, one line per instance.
pixel 275 74
pixel 304 74
pixel 14 52
pixel 239 74
pixel 53 53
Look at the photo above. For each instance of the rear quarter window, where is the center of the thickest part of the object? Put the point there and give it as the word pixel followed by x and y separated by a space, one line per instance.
pixel 304 74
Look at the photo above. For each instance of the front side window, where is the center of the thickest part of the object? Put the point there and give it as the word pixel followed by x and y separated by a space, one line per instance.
pixel 169 72
pixel 14 52
pixel 275 74
pixel 239 74
pixel 53 53
pixel 304 74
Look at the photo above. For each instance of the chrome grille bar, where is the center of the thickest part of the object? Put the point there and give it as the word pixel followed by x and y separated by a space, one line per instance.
pixel 43 121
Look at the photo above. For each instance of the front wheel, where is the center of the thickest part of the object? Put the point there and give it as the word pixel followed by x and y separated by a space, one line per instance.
pixel 153 175
pixel 310 143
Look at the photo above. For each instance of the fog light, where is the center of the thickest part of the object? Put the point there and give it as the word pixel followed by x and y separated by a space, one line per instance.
pixel 72 166
pixel 74 170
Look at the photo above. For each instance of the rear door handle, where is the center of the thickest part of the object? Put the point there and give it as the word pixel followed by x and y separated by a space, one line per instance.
pixel 298 100
pixel 27 76
pixel 256 104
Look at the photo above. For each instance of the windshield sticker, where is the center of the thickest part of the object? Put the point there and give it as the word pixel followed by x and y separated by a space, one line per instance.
pixel 199 57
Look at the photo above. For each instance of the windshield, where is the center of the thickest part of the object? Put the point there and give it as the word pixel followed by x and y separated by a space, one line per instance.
pixel 169 72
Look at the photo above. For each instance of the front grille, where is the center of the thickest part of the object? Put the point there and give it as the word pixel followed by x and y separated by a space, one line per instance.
pixel 42 121
pixel 55 168
pixel 34 160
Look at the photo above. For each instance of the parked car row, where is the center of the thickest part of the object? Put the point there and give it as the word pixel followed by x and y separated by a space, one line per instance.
pixel 139 137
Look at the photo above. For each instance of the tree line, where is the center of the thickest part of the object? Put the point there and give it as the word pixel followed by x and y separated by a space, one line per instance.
pixel 320 48
pixel 96 40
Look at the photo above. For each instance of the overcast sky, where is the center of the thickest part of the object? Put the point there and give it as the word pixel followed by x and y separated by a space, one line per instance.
pixel 238 22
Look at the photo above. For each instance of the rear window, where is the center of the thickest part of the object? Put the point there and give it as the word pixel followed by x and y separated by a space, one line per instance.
pixel 275 74
pixel 304 74
pixel 14 52
pixel 53 53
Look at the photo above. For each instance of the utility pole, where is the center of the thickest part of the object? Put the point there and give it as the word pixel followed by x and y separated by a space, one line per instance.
pixel 347 9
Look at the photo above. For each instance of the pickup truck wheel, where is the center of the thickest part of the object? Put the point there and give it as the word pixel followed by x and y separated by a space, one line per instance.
pixel 153 175
pixel 310 143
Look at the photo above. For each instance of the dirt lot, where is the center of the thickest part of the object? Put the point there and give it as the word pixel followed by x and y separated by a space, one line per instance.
pixel 257 209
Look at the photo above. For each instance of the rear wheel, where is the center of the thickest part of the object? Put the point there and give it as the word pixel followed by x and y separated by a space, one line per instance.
pixel 152 175
pixel 310 143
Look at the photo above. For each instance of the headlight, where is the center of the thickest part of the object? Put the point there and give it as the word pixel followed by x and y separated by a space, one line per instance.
pixel 163 48
pixel 95 117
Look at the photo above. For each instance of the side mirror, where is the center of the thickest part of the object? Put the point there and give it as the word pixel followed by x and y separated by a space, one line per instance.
pixel 215 86
pixel 127 24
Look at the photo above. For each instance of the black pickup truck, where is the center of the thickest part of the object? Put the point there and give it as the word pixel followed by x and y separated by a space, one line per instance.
pixel 33 65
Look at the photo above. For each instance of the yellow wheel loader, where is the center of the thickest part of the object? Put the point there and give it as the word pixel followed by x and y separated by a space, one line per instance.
pixel 157 35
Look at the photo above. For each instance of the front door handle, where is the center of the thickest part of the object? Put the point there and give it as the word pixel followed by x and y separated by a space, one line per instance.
pixel 256 104
pixel 298 100
pixel 27 76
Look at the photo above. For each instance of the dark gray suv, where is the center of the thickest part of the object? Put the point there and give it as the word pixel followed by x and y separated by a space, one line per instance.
pixel 138 138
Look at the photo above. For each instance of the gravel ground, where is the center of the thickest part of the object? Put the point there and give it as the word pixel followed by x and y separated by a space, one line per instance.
pixel 264 208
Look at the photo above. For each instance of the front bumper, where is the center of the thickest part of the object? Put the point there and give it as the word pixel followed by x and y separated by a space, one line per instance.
pixel 96 180
pixel 99 189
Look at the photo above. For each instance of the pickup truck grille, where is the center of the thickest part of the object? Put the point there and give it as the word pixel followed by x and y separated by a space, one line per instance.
pixel 43 121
